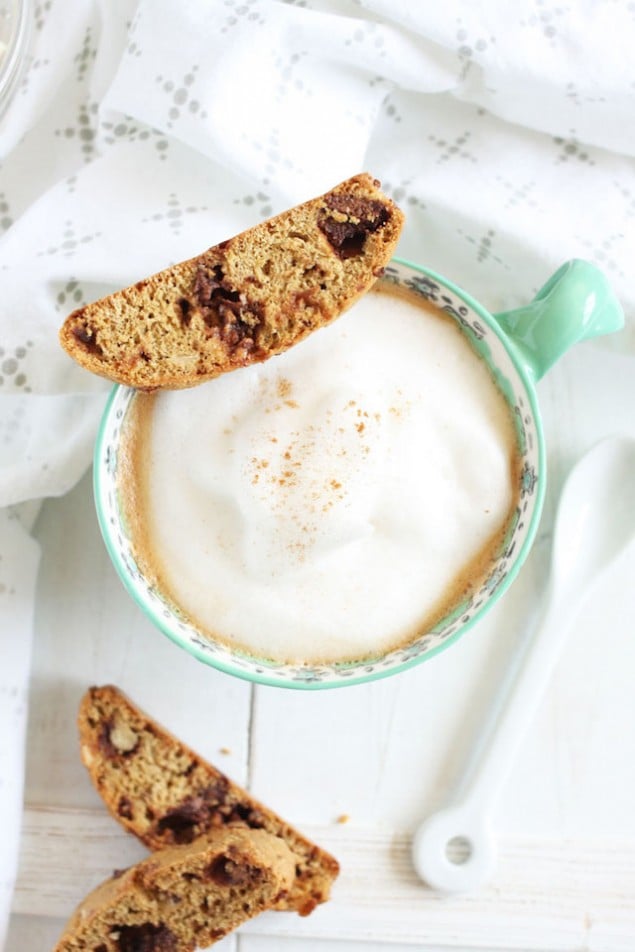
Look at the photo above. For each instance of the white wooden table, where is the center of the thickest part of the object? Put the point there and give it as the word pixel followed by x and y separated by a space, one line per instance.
pixel 382 754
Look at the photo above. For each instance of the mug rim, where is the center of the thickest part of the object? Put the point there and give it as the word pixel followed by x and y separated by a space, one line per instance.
pixel 261 676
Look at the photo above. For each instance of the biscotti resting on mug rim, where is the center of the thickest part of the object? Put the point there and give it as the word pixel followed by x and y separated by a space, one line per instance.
pixel 164 793
pixel 244 300
pixel 183 897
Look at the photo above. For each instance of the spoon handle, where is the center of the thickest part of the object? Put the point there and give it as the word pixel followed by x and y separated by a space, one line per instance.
pixel 514 707
pixel 476 795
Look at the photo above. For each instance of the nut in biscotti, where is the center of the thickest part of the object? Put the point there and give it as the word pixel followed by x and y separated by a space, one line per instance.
pixel 244 300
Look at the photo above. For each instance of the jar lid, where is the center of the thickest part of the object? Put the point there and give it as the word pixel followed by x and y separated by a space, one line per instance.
pixel 14 33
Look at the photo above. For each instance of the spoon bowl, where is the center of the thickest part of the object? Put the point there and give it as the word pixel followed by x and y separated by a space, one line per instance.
pixel 596 514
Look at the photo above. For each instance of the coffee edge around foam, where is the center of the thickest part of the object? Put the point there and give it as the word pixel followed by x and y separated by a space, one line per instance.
pixel 133 484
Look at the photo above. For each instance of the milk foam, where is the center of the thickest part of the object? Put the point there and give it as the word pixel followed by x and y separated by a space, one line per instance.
pixel 325 504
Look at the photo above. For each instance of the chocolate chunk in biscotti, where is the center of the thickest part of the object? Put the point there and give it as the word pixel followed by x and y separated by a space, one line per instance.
pixel 183 898
pixel 244 300
pixel 166 794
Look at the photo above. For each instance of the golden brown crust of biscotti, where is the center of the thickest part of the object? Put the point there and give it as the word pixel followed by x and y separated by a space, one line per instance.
pixel 183 897
pixel 164 793
pixel 243 300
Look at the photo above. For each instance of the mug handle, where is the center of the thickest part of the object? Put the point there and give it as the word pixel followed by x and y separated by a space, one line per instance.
pixel 576 303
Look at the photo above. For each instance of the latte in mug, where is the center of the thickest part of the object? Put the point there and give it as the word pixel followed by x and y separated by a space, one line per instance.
pixel 334 502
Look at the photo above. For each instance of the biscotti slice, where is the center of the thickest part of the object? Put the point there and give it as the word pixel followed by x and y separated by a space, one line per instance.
pixel 243 300
pixel 183 897
pixel 166 794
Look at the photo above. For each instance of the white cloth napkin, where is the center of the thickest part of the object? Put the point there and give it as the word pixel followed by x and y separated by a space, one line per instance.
pixel 143 133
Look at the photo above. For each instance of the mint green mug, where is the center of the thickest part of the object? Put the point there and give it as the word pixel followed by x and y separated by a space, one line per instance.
pixel 518 346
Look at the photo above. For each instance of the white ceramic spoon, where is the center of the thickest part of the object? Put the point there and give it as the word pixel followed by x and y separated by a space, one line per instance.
pixel 595 521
